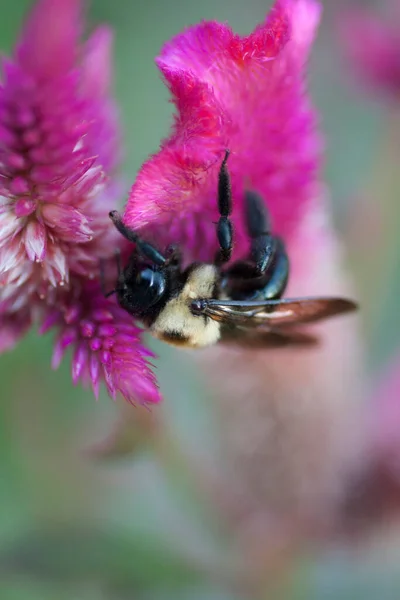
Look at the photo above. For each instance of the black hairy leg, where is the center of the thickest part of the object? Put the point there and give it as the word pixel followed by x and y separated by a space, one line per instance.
pixel 267 252
pixel 263 244
pixel 224 225
pixel 264 274
pixel 277 274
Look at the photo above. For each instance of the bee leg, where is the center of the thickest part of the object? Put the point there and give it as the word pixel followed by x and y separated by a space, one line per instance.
pixel 264 274
pixel 278 274
pixel 224 225
pixel 143 247
pixel 263 243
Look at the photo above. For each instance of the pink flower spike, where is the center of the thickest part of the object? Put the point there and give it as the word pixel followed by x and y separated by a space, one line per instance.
pixel 218 80
pixel 59 147
pixel 374 48
pixel 97 329
pixel 58 131
pixel 288 418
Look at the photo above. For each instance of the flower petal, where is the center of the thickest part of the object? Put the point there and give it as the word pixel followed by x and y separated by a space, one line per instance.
pixel 35 241
pixel 67 222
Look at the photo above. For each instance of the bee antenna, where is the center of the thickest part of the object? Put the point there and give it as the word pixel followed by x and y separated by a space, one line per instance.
pixel 143 247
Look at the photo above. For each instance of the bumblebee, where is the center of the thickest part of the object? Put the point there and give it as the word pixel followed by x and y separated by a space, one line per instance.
pixel 207 303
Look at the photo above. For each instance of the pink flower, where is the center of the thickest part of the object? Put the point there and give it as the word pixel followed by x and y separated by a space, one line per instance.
pixel 248 95
pixel 374 48
pixel 287 417
pixel 57 146
pixel 59 150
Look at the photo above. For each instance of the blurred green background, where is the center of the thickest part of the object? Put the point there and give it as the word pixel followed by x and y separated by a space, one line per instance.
pixel 74 526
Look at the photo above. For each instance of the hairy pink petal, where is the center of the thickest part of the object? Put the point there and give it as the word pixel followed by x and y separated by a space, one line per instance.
pixel 24 207
pixel 35 241
pixel 10 256
pixel 94 371
pixel 55 267
pixel 9 227
pixel 69 223
pixel 79 362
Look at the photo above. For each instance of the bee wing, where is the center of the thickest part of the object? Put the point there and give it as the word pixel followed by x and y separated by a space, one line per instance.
pixel 257 338
pixel 274 314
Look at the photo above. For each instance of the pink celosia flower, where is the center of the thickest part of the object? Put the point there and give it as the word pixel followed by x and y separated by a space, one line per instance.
pixel 48 169
pixel 245 94
pixel 59 145
pixel 287 417
pixel 374 48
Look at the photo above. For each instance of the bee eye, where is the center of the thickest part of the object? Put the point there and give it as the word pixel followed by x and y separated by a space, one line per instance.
pixel 148 288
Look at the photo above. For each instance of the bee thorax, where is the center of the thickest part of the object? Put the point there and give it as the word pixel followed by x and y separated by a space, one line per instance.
pixel 176 323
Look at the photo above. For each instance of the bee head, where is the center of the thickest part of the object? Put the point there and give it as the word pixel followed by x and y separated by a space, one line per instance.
pixel 142 290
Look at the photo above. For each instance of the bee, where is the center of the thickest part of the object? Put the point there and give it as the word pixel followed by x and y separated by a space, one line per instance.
pixel 207 303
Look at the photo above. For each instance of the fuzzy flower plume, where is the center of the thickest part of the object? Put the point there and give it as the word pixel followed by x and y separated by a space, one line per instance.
pixel 50 167
pixel 59 149
pixel 285 416
pixel 374 48
pixel 245 94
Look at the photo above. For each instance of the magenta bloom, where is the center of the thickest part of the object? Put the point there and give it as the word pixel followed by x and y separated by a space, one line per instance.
pixel 248 95
pixel 50 166
pixel 59 149
pixel 374 48
pixel 286 416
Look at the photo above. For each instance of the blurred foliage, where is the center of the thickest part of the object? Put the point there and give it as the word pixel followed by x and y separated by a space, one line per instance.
pixel 72 527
